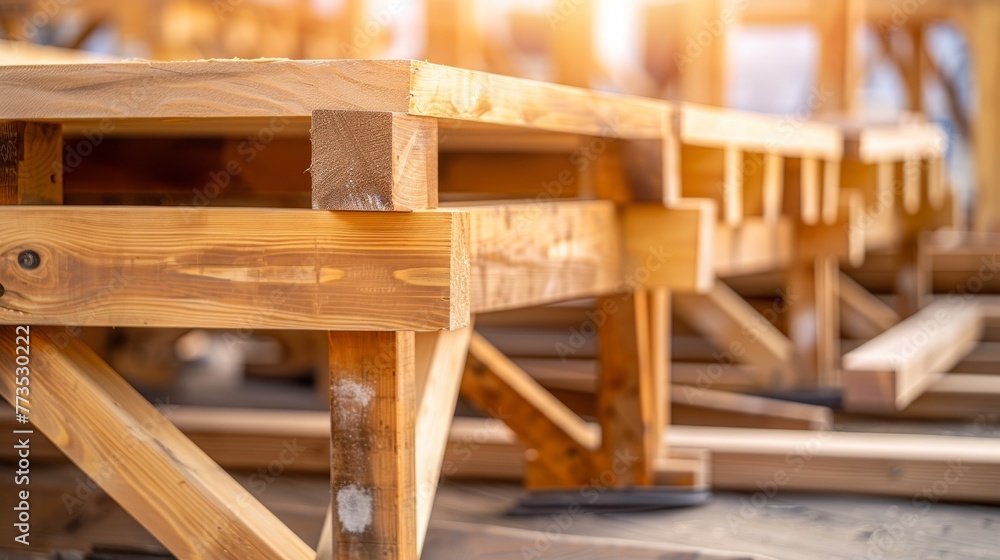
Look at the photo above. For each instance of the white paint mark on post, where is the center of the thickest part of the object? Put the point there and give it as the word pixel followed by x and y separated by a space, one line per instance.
pixel 351 391
pixel 354 509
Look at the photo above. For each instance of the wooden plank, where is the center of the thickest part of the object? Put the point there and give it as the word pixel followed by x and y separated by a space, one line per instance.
pixel 452 93
pixel 626 409
pixel 436 397
pixel 367 160
pixel 831 190
pixel 914 467
pixel 974 396
pixel 670 247
pixel 755 246
pixel 743 459
pixel 701 125
pixel 890 371
pixel 733 325
pixel 266 88
pixel 561 442
pixel 810 193
pixel 138 457
pixel 732 187
pixel 862 315
pixel 694 406
pixel 774 174
pixel 235 268
pixel 911 185
pixel 373 410
pixel 814 320
pixel 533 253
pixel 30 163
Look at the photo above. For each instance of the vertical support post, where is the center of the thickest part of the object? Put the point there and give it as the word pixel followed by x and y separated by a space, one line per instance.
pixel 814 320
pixel 372 411
pixel 625 406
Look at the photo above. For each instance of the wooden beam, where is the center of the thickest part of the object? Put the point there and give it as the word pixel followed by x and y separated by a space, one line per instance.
pixel 137 456
pixel 814 320
pixel 831 190
pixel 562 443
pixel 373 410
pixel 974 396
pixel 234 268
pixel 717 127
pixel 733 325
pixel 535 253
pixel 755 246
pixel 30 163
pixel 626 406
pixel 774 185
pixel 694 406
pixel 924 468
pixel 440 359
pixel 732 186
pixel 366 160
pixel 809 198
pixel 862 315
pixel 519 102
pixel 670 247
pixel 743 459
pixel 890 371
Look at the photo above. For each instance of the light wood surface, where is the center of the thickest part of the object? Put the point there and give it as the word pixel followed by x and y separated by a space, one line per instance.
pixel 138 457
pixel 235 268
pixel 890 371
pixel 367 160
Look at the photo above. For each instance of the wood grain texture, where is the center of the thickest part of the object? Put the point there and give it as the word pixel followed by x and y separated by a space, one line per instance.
pixel 372 470
pixel 139 458
pixel 369 160
pixel 235 268
pixel 527 254
pixel 207 88
pixel 814 320
pixel 30 163
pixel 670 247
pixel 626 406
pixel 452 93
pixel 442 356
pixel 890 371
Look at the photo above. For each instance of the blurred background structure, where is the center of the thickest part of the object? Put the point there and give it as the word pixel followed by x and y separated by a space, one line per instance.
pixel 885 60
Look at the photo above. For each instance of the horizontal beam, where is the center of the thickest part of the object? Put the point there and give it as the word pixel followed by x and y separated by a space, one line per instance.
pixel 234 268
pixel 452 93
pixel 805 460
pixel 715 127
pixel 526 254
pixel 670 247
pixel 888 372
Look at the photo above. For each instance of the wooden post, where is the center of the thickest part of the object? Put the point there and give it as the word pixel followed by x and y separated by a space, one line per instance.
pixel 373 410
